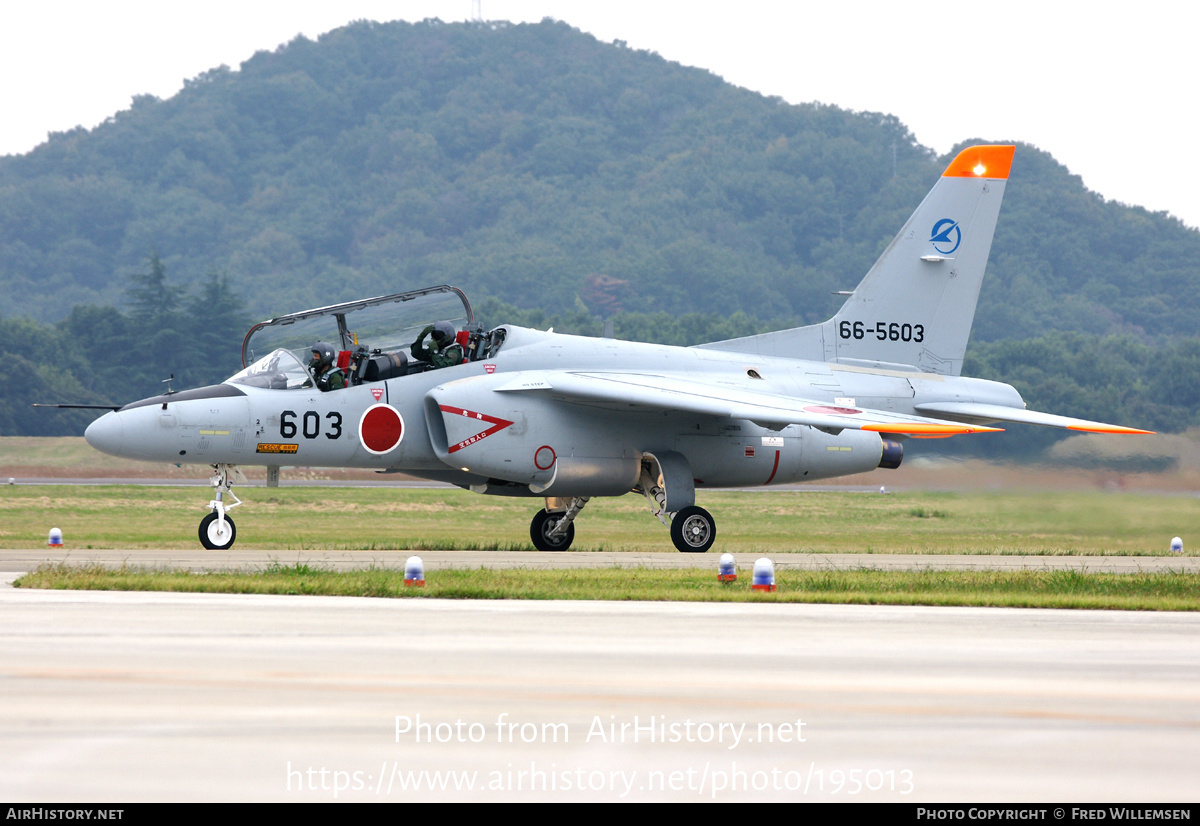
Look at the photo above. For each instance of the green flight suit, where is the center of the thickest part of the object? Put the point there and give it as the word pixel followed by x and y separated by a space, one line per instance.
pixel 445 356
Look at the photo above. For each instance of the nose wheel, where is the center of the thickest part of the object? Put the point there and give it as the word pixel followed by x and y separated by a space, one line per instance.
pixel 693 530
pixel 217 534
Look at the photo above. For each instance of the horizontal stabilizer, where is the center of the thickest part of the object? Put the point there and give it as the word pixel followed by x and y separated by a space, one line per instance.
pixel 972 412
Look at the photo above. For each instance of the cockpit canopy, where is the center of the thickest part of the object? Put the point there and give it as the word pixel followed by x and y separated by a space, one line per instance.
pixel 277 370
pixel 386 323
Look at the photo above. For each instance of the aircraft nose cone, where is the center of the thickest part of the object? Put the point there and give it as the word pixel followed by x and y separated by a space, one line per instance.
pixel 106 434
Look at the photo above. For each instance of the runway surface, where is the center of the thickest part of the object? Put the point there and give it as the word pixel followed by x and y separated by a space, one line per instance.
pixel 143 696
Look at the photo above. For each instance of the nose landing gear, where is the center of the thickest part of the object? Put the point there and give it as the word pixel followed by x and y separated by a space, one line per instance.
pixel 217 530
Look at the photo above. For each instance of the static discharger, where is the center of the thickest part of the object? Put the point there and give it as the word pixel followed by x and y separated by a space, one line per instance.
pixel 1177 545
pixel 414 572
pixel 764 575
pixel 55 538
pixel 726 570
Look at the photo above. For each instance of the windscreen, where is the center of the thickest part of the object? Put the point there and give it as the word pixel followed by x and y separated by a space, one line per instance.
pixel 279 370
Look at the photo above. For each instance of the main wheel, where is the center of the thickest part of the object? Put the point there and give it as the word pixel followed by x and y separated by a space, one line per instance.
pixel 693 530
pixel 211 535
pixel 539 530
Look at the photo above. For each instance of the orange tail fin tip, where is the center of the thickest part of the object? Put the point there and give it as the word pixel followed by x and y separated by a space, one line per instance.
pixel 981 162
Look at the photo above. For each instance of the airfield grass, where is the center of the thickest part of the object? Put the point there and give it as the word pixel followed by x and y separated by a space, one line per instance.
pixel 748 523
pixel 1025 589
pixel 287 519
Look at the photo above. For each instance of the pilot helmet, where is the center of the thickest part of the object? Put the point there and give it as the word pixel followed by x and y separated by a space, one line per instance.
pixel 443 334
pixel 322 356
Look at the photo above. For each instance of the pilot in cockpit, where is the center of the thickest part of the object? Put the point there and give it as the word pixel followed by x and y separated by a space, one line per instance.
pixel 442 351
pixel 326 375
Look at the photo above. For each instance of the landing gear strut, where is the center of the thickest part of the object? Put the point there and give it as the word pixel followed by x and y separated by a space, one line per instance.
pixel 555 530
pixel 668 486
pixel 217 530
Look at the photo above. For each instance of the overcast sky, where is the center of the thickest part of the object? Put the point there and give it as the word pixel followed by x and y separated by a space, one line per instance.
pixel 1110 93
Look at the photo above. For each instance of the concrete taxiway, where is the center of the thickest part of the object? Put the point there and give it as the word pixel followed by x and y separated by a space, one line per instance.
pixel 201 560
pixel 147 696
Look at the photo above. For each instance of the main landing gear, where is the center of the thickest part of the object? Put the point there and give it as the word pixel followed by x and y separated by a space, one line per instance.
pixel 217 530
pixel 693 529
pixel 555 530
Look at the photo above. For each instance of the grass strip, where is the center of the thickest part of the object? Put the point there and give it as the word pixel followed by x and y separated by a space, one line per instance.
pixel 1074 523
pixel 1014 589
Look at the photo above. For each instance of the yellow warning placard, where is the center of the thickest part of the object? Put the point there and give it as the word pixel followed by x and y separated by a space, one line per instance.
pixel 273 448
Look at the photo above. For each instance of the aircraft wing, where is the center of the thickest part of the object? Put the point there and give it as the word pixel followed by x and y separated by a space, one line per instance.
pixel 999 413
pixel 637 391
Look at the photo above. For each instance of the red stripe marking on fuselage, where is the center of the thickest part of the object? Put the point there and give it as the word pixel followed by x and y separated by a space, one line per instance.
pixel 497 424
pixel 773 469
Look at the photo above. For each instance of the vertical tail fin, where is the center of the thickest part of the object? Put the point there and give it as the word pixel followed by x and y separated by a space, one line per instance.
pixel 915 306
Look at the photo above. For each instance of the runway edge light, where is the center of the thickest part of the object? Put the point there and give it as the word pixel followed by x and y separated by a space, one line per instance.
pixel 1177 545
pixel 414 572
pixel 764 575
pixel 55 538
pixel 726 569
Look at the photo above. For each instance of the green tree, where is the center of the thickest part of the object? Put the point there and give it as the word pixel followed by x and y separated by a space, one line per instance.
pixel 40 368
pixel 153 300
pixel 217 322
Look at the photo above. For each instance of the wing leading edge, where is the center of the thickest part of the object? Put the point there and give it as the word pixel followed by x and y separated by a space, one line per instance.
pixel 624 391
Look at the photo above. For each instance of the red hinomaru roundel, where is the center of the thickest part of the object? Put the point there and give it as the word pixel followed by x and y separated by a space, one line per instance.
pixel 381 428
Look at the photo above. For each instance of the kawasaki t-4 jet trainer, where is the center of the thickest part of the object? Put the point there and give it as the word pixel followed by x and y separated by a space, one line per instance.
pixel 422 389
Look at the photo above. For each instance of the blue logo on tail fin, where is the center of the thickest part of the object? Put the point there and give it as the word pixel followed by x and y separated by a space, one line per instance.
pixel 946 236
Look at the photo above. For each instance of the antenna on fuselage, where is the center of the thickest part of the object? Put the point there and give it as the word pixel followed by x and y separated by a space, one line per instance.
pixel 167 381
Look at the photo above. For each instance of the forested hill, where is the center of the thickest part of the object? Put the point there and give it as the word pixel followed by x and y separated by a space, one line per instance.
pixel 539 166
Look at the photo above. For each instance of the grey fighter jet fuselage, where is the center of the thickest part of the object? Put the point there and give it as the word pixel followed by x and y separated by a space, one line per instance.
pixel 568 418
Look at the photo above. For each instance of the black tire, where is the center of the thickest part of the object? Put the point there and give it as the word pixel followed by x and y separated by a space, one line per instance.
pixel 542 524
pixel 693 530
pixel 209 536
